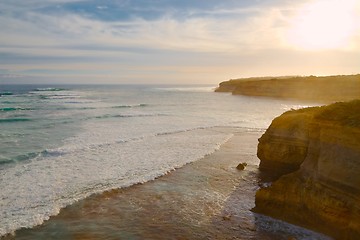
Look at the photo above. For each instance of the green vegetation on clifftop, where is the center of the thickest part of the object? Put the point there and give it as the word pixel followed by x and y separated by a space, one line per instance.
pixel 311 88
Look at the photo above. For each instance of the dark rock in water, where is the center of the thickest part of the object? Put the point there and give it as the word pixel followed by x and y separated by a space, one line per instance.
pixel 316 155
pixel 226 217
pixel 241 166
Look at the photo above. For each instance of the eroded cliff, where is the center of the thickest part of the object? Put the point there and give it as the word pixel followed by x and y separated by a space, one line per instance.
pixel 315 155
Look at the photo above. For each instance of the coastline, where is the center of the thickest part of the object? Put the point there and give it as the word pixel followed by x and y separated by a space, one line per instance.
pixel 316 153
pixel 325 89
pixel 206 199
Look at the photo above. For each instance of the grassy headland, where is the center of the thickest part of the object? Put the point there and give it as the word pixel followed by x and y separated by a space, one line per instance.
pixel 322 89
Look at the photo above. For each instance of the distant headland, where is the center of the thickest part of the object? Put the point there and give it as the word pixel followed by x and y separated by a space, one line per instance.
pixel 310 88
pixel 310 158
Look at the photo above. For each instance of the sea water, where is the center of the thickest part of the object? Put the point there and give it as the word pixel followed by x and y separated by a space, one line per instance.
pixel 60 144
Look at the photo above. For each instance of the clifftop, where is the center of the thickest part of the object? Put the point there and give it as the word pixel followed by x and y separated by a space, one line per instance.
pixel 311 88
pixel 313 155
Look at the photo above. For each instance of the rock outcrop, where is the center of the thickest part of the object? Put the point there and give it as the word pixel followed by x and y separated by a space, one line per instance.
pixel 321 89
pixel 315 155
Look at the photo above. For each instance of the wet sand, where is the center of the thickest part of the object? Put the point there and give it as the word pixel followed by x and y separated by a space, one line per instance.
pixel 206 199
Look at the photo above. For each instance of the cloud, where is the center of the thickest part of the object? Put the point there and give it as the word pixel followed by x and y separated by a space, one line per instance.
pixel 102 7
pixel 153 38
pixel 203 31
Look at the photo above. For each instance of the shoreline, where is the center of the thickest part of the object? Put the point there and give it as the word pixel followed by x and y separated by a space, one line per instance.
pixel 208 198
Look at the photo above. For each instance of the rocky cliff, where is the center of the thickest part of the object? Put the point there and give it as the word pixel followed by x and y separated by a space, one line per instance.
pixel 323 89
pixel 313 156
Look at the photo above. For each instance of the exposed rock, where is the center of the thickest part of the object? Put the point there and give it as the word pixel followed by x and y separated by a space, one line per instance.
pixel 284 145
pixel 316 152
pixel 241 166
pixel 226 217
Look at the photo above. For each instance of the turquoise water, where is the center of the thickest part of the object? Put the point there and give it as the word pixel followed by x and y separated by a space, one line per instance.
pixel 29 124
pixel 60 144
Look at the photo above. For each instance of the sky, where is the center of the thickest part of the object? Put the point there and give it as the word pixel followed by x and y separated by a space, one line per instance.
pixel 175 41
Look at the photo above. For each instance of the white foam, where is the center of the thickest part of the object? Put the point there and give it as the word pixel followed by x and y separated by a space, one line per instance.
pixel 111 152
pixel 47 184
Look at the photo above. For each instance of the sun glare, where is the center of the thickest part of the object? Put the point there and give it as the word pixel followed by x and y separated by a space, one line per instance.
pixel 324 24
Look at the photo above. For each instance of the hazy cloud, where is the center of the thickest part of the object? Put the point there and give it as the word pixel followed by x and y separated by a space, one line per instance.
pixel 52 36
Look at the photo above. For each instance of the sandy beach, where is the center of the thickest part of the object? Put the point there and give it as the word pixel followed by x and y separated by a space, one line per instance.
pixel 206 199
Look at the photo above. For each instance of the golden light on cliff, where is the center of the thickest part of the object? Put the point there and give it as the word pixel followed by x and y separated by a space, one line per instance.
pixel 324 24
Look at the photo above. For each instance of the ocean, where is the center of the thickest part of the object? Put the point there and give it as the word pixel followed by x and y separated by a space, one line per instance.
pixel 60 144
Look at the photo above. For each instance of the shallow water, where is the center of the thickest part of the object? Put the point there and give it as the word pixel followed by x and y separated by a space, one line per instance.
pixel 61 144
pixel 207 199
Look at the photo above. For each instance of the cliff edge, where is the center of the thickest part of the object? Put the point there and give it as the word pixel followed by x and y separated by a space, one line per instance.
pixel 311 88
pixel 313 158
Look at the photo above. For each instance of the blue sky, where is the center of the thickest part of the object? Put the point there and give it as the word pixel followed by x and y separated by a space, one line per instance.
pixel 175 42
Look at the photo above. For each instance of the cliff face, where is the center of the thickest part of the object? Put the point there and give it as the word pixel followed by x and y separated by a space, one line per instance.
pixel 324 89
pixel 284 146
pixel 316 154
